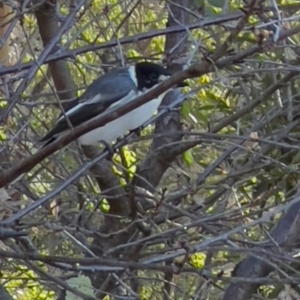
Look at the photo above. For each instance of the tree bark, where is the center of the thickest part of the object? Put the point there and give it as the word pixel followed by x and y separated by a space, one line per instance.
pixel 153 167
pixel 4 295
pixel 48 26
pixel 6 14
pixel 286 235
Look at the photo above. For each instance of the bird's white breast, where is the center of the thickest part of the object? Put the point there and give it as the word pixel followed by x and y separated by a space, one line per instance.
pixel 107 133
pixel 142 114
pixel 120 126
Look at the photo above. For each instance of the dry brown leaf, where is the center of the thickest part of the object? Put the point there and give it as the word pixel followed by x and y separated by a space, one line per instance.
pixel 288 293
pixel 4 195
pixel 251 145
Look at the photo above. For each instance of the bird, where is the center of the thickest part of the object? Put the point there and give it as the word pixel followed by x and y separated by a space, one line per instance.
pixel 117 87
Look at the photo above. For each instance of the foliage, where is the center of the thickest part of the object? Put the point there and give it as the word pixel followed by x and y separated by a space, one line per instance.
pixel 212 211
pixel 26 285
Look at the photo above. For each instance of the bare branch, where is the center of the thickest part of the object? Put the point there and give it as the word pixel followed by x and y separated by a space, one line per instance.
pixel 4 295
pixel 196 70
pixel 48 27
pixel 34 67
pixel 286 234
pixel 139 37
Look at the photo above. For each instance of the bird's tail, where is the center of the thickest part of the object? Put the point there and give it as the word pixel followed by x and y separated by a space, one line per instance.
pixel 51 140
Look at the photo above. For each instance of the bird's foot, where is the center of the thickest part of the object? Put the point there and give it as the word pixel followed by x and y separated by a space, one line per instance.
pixel 136 131
pixel 109 148
pixel 170 109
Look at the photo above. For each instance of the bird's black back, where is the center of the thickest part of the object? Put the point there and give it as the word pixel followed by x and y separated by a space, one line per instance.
pixel 110 87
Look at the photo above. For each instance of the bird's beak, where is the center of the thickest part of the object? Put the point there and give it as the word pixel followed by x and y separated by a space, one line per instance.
pixel 162 78
pixel 182 84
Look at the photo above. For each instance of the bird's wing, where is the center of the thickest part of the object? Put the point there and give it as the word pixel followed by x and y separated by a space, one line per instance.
pixel 103 93
pixel 106 88
pixel 81 112
pixel 114 82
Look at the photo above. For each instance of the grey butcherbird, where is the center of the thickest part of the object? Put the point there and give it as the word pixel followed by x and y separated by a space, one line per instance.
pixel 117 87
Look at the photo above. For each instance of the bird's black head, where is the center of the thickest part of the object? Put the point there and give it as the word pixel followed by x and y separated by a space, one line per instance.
pixel 149 74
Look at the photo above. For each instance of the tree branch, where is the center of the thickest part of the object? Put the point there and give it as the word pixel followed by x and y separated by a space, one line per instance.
pixel 48 28
pixel 35 66
pixel 197 69
pixel 4 295
pixel 285 234
pixel 127 40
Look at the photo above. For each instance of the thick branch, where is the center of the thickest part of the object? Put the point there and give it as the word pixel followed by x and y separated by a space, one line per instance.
pixel 108 182
pixel 198 69
pixel 201 178
pixel 285 234
pixel 48 27
pixel 6 14
pixel 157 162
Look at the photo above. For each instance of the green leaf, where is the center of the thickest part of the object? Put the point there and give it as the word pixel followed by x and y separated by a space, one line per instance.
pixel 202 117
pixel 2 134
pixel 185 110
pixel 3 103
pixel 132 53
pixel 104 206
pixel 247 37
pixel 81 283
pixel 216 3
pixel 197 260
pixel 210 12
pixel 188 157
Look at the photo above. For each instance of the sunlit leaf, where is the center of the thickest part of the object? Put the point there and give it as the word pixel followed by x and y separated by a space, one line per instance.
pixel 188 157
pixel 2 134
pixel 3 103
pixel 197 260
pixel 104 206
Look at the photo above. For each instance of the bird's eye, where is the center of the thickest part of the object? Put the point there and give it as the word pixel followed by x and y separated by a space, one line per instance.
pixel 153 76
